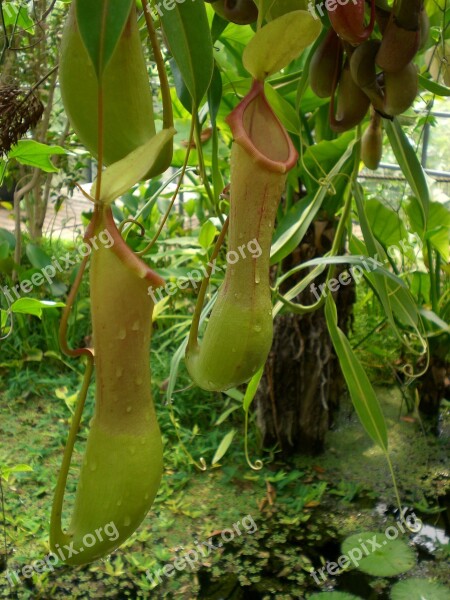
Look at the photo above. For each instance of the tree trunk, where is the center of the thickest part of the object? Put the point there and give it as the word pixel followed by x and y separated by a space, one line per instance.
pixel 302 382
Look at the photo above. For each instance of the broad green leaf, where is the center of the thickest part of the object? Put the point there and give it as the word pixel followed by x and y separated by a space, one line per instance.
pixel 223 446
pixel 7 236
pixel 386 224
pixel 419 589
pixel 122 175
pixel 4 250
pixel 207 234
pixel 37 257
pixel 281 7
pixel 252 388
pixel 359 386
pixel 410 165
pixel 187 31
pixel 32 306
pixel 35 154
pixel 278 43
pixel 18 16
pixel 101 24
pixel 389 558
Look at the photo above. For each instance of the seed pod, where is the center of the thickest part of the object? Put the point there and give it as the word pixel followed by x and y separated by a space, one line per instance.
pixel 382 17
pixel 352 103
pixel 363 70
pixel 127 98
pixel 241 12
pixel 348 21
pixel 401 39
pixel 400 90
pixel 239 332
pixel 122 465
pixel 325 64
pixel 372 142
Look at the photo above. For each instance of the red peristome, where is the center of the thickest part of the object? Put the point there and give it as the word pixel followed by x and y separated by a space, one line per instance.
pixel 348 21
pixel 258 130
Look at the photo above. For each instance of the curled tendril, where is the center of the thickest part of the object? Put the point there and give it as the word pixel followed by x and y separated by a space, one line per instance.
pixel 133 222
pixel 258 464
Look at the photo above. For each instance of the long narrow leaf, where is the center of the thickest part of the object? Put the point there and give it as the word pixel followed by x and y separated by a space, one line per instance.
pixel 410 165
pixel 361 391
pixel 187 30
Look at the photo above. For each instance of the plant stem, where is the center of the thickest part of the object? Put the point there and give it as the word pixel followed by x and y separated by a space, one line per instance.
pixel 159 60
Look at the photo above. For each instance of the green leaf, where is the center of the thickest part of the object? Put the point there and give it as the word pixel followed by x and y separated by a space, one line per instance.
pixel 283 109
pixel 433 87
pixel 223 446
pixel 278 43
pixel 35 154
pixel 391 558
pixel 122 175
pixel 386 224
pixel 19 16
pixel 4 250
pixel 101 24
pixel 207 234
pixel 187 31
pixel 5 473
pixel 359 386
pixel 293 227
pixel 419 589
pixel 7 236
pixel 32 306
pixel 410 165
pixel 252 388
pixel 37 257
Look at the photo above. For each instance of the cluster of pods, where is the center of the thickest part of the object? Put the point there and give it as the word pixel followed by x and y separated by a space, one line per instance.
pixel 359 65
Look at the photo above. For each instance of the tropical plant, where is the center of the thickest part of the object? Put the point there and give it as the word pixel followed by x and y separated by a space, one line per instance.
pixel 291 84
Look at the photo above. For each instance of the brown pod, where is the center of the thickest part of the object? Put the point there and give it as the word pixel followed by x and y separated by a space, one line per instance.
pixel 324 65
pixel 398 48
pixel 401 39
pixel 352 103
pixel 372 142
pixel 241 12
pixel 400 90
pixel 382 17
pixel 364 72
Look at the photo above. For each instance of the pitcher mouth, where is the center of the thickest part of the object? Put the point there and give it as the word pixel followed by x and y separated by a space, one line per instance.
pixel 258 130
